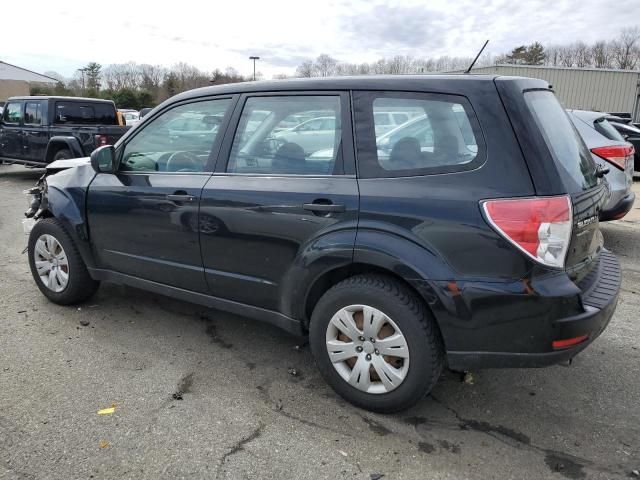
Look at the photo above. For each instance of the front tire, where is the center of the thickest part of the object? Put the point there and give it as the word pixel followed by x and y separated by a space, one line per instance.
pixel 375 343
pixel 56 264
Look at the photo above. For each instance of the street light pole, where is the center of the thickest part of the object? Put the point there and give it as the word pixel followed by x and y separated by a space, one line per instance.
pixel 254 65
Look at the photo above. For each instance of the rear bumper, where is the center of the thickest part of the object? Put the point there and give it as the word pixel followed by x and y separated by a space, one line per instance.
pixel 599 299
pixel 619 209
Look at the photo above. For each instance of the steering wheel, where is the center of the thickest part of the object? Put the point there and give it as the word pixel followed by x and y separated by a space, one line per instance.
pixel 183 162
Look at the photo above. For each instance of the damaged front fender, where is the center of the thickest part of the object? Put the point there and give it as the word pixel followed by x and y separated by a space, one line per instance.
pixel 63 195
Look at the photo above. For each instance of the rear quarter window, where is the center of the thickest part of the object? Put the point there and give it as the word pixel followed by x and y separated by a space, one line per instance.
pixel 440 135
pixel 79 113
pixel 570 154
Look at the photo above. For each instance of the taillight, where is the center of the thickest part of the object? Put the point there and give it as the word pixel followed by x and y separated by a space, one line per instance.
pixel 539 226
pixel 617 155
pixel 101 140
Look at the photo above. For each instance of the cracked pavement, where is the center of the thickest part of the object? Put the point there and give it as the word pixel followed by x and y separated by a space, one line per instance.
pixel 204 394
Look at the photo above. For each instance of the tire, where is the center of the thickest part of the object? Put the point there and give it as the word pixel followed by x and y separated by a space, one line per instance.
pixel 400 306
pixel 79 285
pixel 62 155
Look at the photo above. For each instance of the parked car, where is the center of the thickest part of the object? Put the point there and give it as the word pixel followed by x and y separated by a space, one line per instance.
pixel 144 111
pixel 607 145
pixel 631 134
pixel 483 250
pixel 38 130
pixel 131 117
pixel 386 121
pixel 311 134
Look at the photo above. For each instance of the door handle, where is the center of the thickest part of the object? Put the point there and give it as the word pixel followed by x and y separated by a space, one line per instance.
pixel 324 207
pixel 177 197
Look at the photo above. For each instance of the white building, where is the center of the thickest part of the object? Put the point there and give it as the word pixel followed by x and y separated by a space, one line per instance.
pixel 597 89
pixel 16 81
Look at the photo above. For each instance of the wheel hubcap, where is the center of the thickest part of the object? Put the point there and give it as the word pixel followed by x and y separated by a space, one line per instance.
pixel 367 349
pixel 51 263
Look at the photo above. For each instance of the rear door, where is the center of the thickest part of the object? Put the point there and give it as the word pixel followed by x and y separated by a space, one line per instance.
pixel 144 219
pixel 266 210
pixel 35 131
pixel 11 134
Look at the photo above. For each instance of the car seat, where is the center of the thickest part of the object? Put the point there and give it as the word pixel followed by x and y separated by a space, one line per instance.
pixel 289 158
pixel 406 154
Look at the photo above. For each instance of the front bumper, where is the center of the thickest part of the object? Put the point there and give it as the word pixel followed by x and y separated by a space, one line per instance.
pixel 599 297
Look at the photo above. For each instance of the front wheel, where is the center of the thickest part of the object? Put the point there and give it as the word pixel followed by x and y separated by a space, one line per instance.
pixel 375 343
pixel 56 264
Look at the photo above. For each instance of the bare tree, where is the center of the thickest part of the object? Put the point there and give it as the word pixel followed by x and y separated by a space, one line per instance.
pixel 566 56
pixel 151 76
pixel 325 65
pixel 553 56
pixel 57 76
pixel 625 48
pixel 582 53
pixel 305 69
pixel 601 54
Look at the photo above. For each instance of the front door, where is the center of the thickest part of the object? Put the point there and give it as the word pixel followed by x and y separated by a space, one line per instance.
pixel 35 133
pixel 11 133
pixel 143 220
pixel 272 201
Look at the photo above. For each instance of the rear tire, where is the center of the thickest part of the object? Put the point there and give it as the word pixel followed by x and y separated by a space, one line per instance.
pixel 376 303
pixel 63 154
pixel 56 265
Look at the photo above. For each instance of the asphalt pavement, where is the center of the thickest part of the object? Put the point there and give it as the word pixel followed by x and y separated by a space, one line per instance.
pixel 198 393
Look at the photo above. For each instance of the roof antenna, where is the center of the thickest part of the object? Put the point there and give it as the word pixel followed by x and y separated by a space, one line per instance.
pixel 468 70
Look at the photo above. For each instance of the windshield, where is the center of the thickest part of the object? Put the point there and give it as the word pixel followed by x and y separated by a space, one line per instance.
pixel 569 152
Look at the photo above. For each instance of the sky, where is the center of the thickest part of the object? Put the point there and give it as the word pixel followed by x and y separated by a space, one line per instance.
pixel 219 34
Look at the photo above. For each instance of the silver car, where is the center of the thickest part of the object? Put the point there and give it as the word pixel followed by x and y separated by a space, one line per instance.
pixel 609 149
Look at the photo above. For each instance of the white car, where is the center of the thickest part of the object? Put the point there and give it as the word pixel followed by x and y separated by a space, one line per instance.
pixel 131 117
pixel 312 135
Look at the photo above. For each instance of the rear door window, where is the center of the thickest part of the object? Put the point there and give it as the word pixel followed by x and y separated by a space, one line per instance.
pixel 33 113
pixel 440 134
pixel 288 135
pixel 568 150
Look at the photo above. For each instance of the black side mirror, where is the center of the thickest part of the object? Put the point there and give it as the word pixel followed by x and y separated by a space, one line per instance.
pixel 103 159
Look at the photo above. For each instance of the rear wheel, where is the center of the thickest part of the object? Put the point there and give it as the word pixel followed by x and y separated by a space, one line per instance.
pixel 56 264
pixel 62 154
pixel 375 343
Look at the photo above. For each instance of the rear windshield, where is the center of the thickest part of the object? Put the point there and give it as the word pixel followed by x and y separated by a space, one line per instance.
pixel 603 126
pixel 572 157
pixel 85 113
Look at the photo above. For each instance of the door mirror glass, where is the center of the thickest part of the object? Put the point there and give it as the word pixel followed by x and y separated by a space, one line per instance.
pixel 102 159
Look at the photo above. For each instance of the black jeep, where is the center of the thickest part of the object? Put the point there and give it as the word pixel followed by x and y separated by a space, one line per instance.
pixel 468 234
pixel 35 131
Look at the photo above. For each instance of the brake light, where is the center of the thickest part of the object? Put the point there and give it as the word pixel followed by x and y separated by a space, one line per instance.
pixel 617 155
pixel 539 226
pixel 101 140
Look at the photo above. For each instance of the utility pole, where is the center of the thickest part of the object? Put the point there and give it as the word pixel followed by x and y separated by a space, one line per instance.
pixel 254 65
pixel 82 70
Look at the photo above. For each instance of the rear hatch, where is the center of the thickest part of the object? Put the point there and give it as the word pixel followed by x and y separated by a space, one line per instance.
pixel 572 171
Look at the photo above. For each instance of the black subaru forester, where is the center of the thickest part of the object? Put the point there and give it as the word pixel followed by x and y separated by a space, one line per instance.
pixel 402 223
